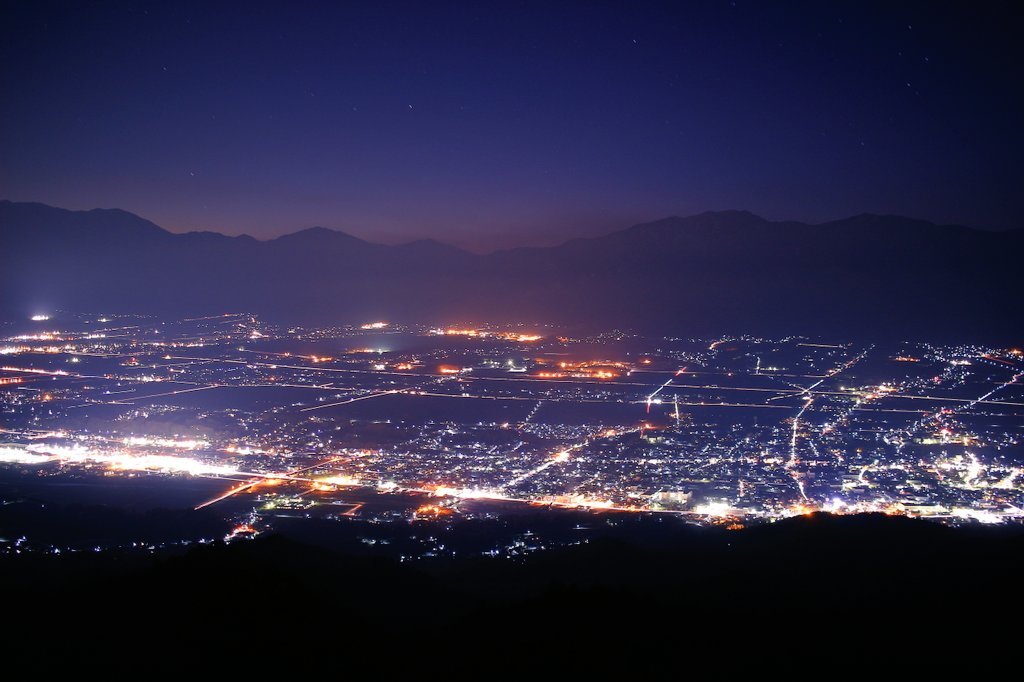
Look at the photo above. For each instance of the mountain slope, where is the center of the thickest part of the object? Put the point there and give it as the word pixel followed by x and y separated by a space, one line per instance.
pixel 810 590
pixel 732 271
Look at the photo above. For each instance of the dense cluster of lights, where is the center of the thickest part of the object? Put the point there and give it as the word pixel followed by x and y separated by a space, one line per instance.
pixel 39 453
pixel 822 449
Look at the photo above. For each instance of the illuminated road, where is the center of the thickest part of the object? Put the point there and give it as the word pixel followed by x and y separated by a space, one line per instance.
pixel 777 393
pixel 809 397
pixel 793 460
pixel 229 493
pixel 263 478
pixel 565 454
pixel 168 393
pixel 652 397
pixel 369 396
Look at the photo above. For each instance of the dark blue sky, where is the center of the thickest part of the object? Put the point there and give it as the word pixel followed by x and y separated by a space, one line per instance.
pixel 495 124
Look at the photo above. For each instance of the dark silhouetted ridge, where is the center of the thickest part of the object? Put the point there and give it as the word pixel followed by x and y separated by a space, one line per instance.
pixel 861 590
pixel 864 277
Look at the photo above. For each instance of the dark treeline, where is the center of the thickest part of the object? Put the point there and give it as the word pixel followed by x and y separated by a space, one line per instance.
pixel 819 593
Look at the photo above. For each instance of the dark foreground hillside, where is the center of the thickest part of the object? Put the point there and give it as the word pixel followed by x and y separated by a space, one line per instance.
pixel 817 596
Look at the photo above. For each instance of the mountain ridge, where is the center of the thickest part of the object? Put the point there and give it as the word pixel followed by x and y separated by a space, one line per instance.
pixel 719 271
pixel 672 219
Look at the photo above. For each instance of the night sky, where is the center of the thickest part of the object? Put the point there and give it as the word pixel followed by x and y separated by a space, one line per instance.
pixel 498 124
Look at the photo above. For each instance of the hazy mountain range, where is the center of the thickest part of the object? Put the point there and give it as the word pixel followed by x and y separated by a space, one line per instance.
pixel 731 271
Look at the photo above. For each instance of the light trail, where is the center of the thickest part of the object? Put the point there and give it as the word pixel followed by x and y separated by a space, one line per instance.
pixel 565 454
pixel 352 400
pixel 531 414
pixel 223 317
pixel 793 460
pixel 652 396
pixel 262 478
pixel 168 393
pixel 413 392
pixel 228 494
pixel 1014 379
pixel 967 402
pixel 465 378
pixel 599 382
pixel 765 372
pixel 705 403
pixel 557 458
pixel 809 397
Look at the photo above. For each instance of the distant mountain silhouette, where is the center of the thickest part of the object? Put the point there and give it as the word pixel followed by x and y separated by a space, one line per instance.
pixel 868 276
